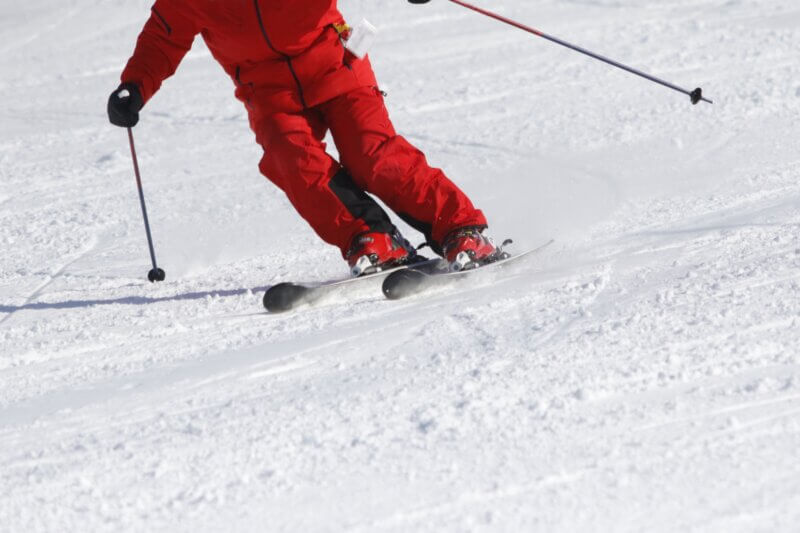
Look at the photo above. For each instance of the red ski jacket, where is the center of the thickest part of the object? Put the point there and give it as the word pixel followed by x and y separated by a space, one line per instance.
pixel 283 55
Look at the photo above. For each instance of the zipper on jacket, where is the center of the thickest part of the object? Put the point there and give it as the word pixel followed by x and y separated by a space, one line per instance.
pixel 241 85
pixel 167 27
pixel 285 56
pixel 238 76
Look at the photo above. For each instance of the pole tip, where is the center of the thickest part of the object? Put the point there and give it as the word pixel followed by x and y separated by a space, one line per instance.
pixel 697 97
pixel 156 274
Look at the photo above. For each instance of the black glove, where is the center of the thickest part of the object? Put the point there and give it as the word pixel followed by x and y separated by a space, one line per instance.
pixel 419 1
pixel 123 109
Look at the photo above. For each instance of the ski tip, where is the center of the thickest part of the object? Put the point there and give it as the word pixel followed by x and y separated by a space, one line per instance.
pixel 283 297
pixel 402 283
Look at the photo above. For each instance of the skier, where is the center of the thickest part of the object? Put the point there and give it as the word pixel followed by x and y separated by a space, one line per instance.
pixel 297 80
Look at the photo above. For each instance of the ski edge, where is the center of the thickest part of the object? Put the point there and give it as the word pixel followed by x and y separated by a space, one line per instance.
pixel 399 285
pixel 288 295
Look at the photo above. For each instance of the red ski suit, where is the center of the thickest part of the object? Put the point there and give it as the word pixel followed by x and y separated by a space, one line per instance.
pixel 296 80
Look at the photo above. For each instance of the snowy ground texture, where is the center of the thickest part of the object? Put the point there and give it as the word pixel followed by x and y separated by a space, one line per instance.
pixel 642 375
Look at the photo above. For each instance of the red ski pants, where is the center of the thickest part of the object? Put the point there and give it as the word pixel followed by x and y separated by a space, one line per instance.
pixel 330 196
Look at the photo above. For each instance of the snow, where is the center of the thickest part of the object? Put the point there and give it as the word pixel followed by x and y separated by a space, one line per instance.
pixel 640 375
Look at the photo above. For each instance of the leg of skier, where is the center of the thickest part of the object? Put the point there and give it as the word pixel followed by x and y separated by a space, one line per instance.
pixel 324 194
pixel 387 165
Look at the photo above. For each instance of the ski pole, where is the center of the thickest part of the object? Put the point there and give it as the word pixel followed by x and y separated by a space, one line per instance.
pixel 156 274
pixel 696 95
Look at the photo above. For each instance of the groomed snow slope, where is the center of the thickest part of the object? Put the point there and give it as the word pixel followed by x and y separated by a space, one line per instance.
pixel 642 375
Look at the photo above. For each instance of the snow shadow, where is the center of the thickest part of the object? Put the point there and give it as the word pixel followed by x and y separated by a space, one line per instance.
pixel 128 300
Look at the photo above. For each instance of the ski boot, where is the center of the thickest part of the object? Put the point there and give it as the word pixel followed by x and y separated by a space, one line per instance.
pixel 375 251
pixel 466 248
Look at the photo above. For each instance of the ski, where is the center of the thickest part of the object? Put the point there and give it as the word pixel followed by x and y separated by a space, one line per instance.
pixel 407 282
pixel 288 295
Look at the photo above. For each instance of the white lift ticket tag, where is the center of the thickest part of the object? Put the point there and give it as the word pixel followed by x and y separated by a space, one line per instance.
pixel 361 38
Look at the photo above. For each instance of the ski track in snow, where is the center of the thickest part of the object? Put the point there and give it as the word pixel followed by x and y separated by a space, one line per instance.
pixel 642 374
